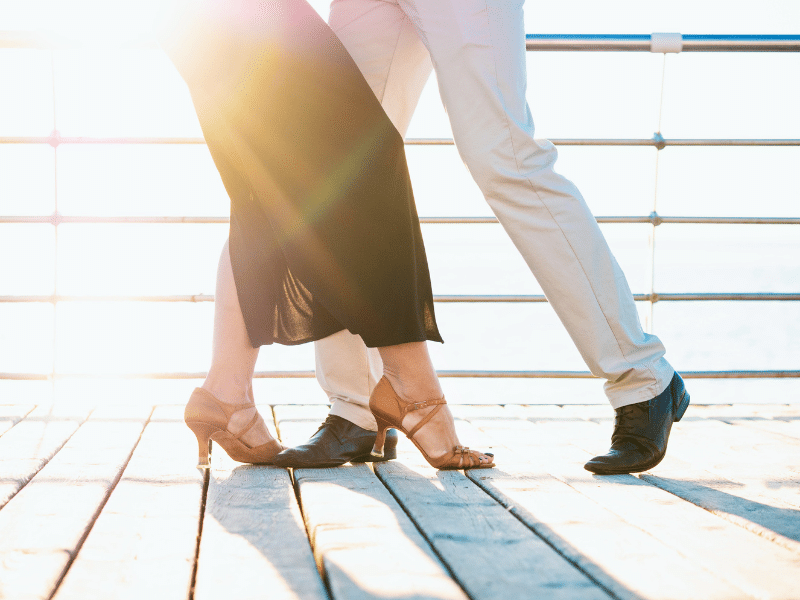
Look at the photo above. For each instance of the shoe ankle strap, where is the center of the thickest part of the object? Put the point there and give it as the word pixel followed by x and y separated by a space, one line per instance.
pixel 437 403
pixel 226 407
pixel 248 427
pixel 420 405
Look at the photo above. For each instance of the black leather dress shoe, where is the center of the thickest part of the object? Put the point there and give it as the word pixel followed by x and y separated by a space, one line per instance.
pixel 336 442
pixel 641 431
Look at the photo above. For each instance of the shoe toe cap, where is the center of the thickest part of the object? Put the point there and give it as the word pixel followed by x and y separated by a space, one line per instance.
pixel 598 464
pixel 285 458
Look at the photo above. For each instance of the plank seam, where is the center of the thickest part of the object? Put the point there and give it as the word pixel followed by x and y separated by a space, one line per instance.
pixel 742 522
pixel 676 549
pixel 746 524
pixel 74 553
pixel 49 458
pixel 278 429
pixel 201 520
pixel 512 509
pixel 427 539
pixel 320 564
pixel 19 420
pixel 621 515
pixel 747 425
pixel 298 498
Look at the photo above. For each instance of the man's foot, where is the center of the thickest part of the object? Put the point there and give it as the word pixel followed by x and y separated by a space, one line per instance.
pixel 336 442
pixel 641 432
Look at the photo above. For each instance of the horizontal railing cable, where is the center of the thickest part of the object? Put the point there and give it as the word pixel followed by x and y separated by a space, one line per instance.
pixel 661 43
pixel 443 298
pixel 476 374
pixel 654 42
pixel 651 219
pixel 657 141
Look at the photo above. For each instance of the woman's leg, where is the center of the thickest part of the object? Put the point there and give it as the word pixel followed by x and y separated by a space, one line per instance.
pixel 384 44
pixel 409 370
pixel 233 359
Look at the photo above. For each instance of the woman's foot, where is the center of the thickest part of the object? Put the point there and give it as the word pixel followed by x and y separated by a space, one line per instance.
pixel 258 434
pixel 428 423
pixel 237 427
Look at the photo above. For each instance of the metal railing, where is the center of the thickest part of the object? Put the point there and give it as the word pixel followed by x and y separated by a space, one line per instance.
pixel 658 42
pixel 653 42
pixel 662 43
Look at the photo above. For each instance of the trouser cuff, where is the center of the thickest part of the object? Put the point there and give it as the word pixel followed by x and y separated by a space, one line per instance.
pixel 355 413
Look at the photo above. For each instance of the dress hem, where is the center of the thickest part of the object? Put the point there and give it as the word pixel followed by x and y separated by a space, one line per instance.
pixel 423 338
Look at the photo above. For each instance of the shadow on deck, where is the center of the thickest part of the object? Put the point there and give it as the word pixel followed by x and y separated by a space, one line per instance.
pixel 106 502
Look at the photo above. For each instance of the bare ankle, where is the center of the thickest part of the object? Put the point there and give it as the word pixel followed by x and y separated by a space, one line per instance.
pixel 413 389
pixel 229 390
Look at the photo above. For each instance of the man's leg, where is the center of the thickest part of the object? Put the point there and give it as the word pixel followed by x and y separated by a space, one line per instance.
pixel 478 51
pixel 348 371
pixel 385 46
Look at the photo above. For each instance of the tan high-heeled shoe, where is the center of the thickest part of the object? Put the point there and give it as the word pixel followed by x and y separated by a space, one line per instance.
pixel 208 418
pixel 389 409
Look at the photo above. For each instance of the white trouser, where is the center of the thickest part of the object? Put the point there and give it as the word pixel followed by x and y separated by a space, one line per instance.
pixel 477 48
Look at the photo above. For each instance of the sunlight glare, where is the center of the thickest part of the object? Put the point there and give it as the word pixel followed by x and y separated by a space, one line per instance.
pixel 112 80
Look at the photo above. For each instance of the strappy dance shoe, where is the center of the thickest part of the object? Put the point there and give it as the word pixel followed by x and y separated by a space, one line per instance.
pixel 389 410
pixel 208 418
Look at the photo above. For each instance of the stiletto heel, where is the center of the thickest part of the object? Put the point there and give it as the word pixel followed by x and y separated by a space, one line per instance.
pixel 203 432
pixel 208 418
pixel 389 409
pixel 380 439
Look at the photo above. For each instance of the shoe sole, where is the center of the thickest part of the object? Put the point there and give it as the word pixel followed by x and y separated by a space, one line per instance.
pixel 365 458
pixel 683 404
pixel 680 410
pixel 390 454
pixel 639 469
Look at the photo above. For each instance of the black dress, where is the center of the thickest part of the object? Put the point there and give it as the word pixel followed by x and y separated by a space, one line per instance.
pixel 324 231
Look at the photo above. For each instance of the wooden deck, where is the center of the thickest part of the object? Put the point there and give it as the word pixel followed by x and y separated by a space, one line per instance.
pixel 107 503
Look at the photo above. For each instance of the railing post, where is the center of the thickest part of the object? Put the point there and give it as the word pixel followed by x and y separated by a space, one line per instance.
pixel 54 143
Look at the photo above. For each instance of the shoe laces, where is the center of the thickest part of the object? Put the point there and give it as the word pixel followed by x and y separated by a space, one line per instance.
pixel 629 421
pixel 328 421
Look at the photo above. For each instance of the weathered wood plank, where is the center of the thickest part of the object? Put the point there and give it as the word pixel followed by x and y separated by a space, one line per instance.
pixel 762 464
pixel 489 552
pixel 599 412
pixel 767 411
pixel 27 447
pixel 6 424
pixel 144 542
pixel 620 555
pixel 783 419
pixel 741 504
pixel 15 411
pixel 751 457
pixel 312 413
pixel 621 558
pixel 751 563
pixel 11 414
pixel 254 543
pixel 783 425
pixel 44 524
pixel 363 542
pixel 747 504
